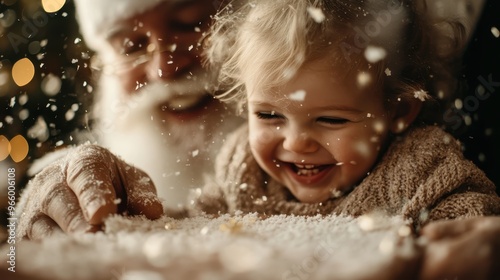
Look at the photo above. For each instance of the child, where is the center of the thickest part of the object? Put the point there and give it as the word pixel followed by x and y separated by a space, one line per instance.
pixel 339 99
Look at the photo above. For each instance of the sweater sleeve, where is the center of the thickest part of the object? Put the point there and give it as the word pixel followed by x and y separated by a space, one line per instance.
pixel 466 204
pixel 216 196
pixel 209 200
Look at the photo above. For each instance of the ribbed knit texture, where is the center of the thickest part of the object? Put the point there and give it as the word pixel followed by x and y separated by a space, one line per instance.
pixel 423 176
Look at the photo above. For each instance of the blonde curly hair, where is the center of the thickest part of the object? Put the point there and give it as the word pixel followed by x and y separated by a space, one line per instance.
pixel 260 45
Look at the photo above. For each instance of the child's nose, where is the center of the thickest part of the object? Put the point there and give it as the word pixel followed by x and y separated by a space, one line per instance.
pixel 300 143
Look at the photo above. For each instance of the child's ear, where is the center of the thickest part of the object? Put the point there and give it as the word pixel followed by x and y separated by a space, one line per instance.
pixel 405 111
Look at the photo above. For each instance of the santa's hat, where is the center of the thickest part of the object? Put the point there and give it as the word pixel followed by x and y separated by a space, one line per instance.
pixel 96 17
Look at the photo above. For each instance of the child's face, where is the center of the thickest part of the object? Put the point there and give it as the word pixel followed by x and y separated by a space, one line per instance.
pixel 321 145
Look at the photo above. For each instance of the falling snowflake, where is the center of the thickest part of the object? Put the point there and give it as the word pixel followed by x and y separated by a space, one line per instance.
pixel 495 32
pixel 336 193
pixel 364 79
pixel 388 72
pixel 374 54
pixel 379 126
pixel 299 95
pixel 24 114
pixel 70 114
pixel 195 153
pixel 316 14
pixel 39 131
pixel 51 84
pixel 421 94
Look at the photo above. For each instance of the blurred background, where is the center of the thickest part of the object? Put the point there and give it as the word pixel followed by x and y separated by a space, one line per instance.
pixel 46 85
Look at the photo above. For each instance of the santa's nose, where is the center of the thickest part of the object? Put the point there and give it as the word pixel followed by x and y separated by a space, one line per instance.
pixel 170 63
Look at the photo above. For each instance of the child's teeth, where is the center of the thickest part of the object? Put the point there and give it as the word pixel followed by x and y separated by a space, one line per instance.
pixel 307 166
pixel 307 172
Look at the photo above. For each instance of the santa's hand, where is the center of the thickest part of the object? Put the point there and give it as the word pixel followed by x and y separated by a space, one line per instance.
pixel 462 249
pixel 76 193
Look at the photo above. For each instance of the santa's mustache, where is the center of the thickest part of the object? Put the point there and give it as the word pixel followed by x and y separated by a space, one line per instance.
pixel 117 108
pixel 159 92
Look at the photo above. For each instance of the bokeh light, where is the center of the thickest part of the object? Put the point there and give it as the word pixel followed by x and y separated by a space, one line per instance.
pixel 4 147
pixel 52 6
pixel 23 72
pixel 19 148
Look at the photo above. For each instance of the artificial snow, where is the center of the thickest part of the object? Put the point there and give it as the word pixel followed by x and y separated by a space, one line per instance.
pixel 374 54
pixel 225 247
pixel 421 95
pixel 363 79
pixel 51 84
pixel 495 32
pixel 316 14
pixel 299 95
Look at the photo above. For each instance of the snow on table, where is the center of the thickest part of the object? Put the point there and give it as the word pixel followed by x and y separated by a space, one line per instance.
pixel 226 247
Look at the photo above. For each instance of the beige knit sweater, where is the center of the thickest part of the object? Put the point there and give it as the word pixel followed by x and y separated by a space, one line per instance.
pixel 423 176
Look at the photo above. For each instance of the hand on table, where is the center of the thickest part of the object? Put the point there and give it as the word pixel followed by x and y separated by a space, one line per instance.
pixel 76 194
pixel 462 249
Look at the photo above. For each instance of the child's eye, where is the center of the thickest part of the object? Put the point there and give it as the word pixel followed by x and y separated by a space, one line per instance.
pixel 332 121
pixel 268 115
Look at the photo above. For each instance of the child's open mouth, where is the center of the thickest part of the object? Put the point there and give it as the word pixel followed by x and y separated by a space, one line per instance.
pixel 307 169
pixel 309 173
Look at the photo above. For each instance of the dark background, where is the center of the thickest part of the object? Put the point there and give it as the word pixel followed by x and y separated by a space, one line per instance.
pixel 24 26
pixel 481 139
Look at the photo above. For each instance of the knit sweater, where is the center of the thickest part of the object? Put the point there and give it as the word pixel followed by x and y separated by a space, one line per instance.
pixel 423 176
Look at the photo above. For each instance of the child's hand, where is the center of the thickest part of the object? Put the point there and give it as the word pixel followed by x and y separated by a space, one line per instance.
pixel 462 249
pixel 76 193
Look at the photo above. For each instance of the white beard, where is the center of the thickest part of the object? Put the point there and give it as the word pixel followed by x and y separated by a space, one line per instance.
pixel 176 157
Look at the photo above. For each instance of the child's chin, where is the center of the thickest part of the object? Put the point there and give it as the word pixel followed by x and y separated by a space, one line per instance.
pixel 312 198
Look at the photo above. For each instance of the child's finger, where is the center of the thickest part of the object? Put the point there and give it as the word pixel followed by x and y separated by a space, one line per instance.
pixel 465 257
pixel 442 229
pixel 141 193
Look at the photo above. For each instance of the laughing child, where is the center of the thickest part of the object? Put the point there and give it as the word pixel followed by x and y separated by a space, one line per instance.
pixel 340 98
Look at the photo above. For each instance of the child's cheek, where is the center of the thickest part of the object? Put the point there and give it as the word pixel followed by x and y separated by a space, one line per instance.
pixel 261 137
pixel 362 149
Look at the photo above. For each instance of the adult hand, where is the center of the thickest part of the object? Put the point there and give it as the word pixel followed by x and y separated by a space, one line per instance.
pixel 77 192
pixel 462 249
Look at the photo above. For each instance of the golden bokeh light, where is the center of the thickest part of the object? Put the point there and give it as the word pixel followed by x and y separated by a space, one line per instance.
pixel 52 6
pixel 4 147
pixel 17 148
pixel 23 72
